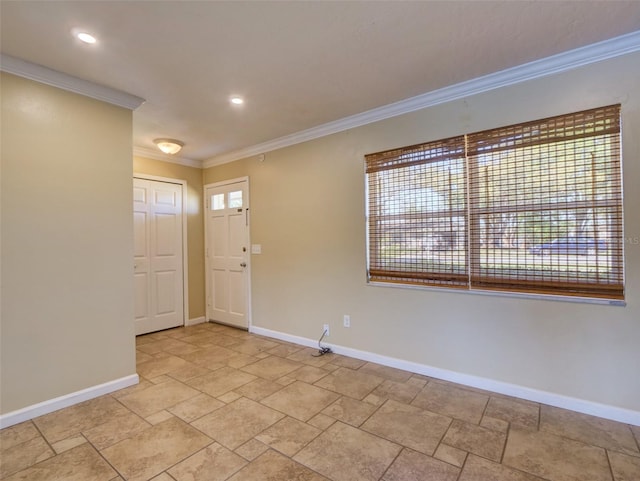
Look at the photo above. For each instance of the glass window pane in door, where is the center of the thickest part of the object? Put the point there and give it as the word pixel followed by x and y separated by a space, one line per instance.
pixel 217 201
pixel 235 199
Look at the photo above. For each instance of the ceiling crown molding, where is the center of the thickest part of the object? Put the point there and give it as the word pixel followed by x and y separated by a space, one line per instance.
pixel 155 155
pixel 39 73
pixel 561 62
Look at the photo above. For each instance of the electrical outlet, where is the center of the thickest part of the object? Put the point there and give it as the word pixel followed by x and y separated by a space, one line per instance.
pixel 346 320
pixel 326 330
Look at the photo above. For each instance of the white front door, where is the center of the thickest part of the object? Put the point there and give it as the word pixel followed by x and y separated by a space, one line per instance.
pixel 158 277
pixel 227 256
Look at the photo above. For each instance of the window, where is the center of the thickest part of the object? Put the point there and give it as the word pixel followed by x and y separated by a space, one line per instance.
pixel 533 207
pixel 217 202
pixel 233 200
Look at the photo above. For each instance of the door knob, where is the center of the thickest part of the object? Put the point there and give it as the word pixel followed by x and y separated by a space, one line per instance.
pixel 244 264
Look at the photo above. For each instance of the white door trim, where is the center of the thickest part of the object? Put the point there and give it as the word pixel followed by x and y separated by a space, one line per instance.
pixel 206 241
pixel 185 245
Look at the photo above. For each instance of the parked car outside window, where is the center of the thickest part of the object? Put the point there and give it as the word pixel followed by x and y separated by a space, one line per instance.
pixel 570 245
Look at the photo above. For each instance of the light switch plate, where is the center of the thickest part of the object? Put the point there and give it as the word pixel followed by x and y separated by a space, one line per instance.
pixel 256 248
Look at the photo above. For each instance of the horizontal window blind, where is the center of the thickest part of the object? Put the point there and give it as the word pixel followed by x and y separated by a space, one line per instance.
pixel 534 207
pixel 417 214
pixel 546 206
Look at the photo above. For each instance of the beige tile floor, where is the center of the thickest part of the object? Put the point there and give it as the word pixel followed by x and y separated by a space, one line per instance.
pixel 216 403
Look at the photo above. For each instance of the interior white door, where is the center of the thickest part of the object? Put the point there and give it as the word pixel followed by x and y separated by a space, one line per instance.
pixel 158 277
pixel 227 243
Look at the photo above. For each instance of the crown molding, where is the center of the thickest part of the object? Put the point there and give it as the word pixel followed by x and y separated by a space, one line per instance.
pixel 39 73
pixel 153 154
pixel 558 63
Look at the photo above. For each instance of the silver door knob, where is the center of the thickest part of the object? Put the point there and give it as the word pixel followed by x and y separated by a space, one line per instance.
pixel 244 264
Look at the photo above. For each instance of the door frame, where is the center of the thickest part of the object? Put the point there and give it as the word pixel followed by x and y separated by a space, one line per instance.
pixel 206 245
pixel 185 245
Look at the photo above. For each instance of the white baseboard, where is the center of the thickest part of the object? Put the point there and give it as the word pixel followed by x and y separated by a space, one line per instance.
pixel 195 320
pixel 553 399
pixel 46 407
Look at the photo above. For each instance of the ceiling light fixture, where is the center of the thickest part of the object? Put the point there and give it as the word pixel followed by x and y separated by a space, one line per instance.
pixel 86 37
pixel 169 146
pixel 237 100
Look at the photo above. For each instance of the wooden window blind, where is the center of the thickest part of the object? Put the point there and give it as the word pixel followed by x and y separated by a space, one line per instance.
pixel 546 205
pixel 417 214
pixel 534 207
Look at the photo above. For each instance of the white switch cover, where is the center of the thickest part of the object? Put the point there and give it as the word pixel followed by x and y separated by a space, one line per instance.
pixel 256 248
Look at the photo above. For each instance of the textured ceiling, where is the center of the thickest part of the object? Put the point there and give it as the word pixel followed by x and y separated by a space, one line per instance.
pixel 298 64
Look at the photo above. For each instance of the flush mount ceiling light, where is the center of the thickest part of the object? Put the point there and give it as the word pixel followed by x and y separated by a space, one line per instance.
pixel 169 146
pixel 236 100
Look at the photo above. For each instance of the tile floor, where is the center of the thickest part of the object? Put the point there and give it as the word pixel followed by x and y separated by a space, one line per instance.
pixel 216 403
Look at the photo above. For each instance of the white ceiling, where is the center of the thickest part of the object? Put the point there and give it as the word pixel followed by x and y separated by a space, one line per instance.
pixel 300 64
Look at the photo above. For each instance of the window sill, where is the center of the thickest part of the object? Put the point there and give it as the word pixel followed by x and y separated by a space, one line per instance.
pixel 515 295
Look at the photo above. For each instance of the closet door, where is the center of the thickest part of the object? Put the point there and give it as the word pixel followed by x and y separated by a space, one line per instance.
pixel 158 276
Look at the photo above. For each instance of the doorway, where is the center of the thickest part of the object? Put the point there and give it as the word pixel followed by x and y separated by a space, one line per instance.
pixel 227 252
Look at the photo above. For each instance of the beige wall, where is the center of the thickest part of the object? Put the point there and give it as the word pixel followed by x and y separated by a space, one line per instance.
pixel 67 243
pixel 307 204
pixel 195 223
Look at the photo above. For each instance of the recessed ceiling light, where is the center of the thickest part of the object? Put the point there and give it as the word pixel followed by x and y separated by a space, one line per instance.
pixel 237 100
pixel 85 37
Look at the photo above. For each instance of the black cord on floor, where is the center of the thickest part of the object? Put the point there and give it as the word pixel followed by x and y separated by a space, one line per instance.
pixel 322 350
